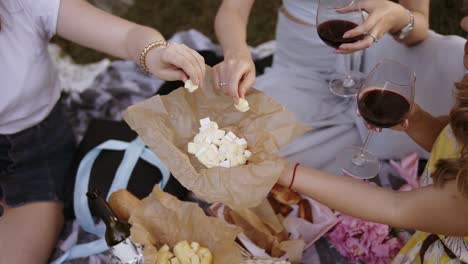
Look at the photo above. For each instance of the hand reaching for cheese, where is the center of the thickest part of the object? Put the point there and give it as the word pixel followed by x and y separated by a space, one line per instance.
pixel 185 253
pixel 215 148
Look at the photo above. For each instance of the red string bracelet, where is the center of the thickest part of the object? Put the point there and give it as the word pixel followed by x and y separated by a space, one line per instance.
pixel 294 176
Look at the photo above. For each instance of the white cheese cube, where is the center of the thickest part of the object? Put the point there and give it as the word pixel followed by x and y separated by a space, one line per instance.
pixel 205 122
pixel 201 151
pixel 192 148
pixel 214 148
pixel 217 142
pixel 219 134
pixel 209 139
pixel 247 154
pixel 241 142
pixel 230 136
pixel 243 105
pixel 214 125
pixel 199 138
pixel 190 86
pixel 225 164
pixel 242 160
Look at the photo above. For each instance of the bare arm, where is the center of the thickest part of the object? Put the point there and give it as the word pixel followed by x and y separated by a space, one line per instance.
pixel 231 25
pixel 237 70
pixel 424 128
pixel 91 27
pixel 436 210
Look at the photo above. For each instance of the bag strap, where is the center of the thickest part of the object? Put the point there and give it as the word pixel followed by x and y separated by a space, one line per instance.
pixel 133 151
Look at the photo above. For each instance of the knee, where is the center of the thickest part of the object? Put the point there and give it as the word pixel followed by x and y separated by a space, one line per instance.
pixel 30 233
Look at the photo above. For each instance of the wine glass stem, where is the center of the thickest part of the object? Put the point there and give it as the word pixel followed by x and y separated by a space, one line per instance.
pixel 359 158
pixel 348 79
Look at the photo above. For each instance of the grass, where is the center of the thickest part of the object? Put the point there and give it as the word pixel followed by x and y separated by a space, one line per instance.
pixel 172 16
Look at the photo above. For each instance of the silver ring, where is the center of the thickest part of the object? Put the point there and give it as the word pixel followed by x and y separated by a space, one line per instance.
pixel 221 84
pixel 374 37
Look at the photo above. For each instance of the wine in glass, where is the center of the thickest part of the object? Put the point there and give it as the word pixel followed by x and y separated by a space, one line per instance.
pixel 332 23
pixel 384 101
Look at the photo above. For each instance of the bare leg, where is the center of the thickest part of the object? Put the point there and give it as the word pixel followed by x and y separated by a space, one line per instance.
pixel 29 233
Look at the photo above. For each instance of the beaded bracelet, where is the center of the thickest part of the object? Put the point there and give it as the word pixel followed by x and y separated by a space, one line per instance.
pixel 152 45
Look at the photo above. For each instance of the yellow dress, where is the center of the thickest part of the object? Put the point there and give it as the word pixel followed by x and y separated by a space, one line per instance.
pixel 439 249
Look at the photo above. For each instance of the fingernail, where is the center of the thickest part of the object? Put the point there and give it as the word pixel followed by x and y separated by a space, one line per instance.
pixel 346 35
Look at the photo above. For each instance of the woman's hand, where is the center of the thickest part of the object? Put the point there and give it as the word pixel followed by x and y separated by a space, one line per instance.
pixel 236 74
pixel 384 16
pixel 176 62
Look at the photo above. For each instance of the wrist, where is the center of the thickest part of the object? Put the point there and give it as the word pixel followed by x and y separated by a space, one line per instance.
pixel 404 24
pixel 286 175
pixel 239 52
pixel 415 117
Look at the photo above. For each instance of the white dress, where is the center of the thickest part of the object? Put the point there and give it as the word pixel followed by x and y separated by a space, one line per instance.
pixel 297 79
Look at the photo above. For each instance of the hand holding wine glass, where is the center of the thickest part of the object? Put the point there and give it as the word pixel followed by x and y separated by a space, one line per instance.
pixel 331 26
pixel 385 100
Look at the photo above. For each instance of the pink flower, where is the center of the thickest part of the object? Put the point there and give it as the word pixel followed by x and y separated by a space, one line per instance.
pixel 365 241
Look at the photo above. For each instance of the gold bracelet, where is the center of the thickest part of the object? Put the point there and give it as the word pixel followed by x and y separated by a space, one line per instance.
pixel 152 45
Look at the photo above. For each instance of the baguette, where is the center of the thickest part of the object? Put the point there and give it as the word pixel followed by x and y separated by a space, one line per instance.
pixel 122 203
pixel 284 195
pixel 305 211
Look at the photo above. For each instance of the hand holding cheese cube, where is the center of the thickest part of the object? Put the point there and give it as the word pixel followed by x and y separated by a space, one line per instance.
pixel 215 148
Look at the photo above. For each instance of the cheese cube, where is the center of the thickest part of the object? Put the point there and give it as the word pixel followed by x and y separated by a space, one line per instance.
pixel 192 148
pixel 219 134
pixel 190 86
pixel 230 136
pixel 199 138
pixel 241 142
pixel 201 151
pixel 217 142
pixel 243 105
pixel 214 125
pixel 205 122
pixel 247 154
pixel 225 164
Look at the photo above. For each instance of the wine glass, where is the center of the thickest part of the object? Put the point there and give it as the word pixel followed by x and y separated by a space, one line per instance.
pixel 331 25
pixel 384 100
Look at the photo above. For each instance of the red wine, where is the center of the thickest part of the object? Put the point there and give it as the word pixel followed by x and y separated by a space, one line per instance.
pixel 383 108
pixel 331 32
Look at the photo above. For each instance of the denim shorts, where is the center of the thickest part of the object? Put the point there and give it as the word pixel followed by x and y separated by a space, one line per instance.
pixel 34 162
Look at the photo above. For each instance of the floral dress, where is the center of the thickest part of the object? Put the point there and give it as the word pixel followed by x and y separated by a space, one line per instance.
pixel 430 248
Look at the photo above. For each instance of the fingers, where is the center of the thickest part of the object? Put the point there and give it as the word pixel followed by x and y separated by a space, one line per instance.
pixel 233 74
pixel 200 62
pixel 235 79
pixel 216 78
pixel 377 31
pixel 179 57
pixel 174 75
pixel 365 27
pixel 247 82
pixel 194 71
